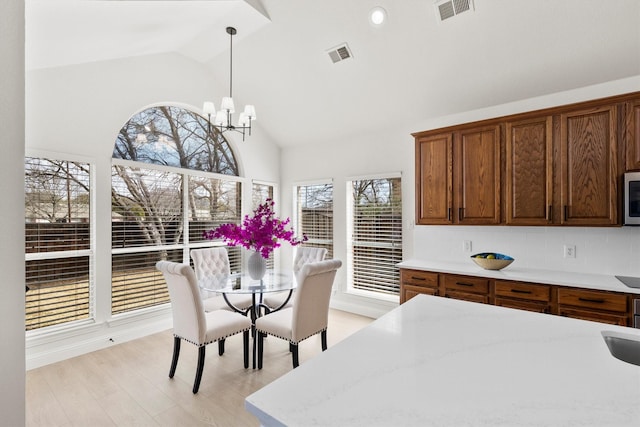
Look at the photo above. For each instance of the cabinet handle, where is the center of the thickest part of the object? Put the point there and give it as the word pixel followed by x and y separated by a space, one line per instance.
pixel 520 291
pixel 418 278
pixel 595 300
pixel 449 214
pixel 460 214
pixel 550 213
pixel 464 284
pixel 566 212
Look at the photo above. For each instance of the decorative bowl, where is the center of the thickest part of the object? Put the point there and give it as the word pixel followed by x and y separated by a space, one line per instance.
pixel 492 260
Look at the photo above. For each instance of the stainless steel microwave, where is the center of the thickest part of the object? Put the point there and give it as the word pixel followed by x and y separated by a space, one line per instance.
pixel 632 198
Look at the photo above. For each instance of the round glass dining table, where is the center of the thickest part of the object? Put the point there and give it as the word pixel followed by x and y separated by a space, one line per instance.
pixel 242 283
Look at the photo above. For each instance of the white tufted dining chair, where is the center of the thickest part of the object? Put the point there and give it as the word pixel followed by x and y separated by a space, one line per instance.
pixel 309 313
pixel 304 255
pixel 192 324
pixel 215 261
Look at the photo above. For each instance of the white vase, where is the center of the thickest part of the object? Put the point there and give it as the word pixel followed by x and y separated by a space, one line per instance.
pixel 256 265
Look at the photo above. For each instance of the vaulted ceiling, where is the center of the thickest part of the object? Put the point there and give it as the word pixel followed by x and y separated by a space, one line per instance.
pixel 413 68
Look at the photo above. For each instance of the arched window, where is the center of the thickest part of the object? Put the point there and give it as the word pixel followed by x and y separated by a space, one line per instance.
pixel 173 177
pixel 173 136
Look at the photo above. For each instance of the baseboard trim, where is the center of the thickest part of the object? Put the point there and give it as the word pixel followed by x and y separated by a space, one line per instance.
pixel 97 337
pixel 368 307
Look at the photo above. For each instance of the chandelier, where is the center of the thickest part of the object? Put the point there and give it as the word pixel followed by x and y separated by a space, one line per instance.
pixel 222 118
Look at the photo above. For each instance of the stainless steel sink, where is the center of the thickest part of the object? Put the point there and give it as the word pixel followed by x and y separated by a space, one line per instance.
pixel 625 347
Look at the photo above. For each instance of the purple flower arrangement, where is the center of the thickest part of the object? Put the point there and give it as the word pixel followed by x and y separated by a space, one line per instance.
pixel 262 232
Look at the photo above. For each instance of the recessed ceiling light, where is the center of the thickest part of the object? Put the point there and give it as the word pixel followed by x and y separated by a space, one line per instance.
pixel 377 16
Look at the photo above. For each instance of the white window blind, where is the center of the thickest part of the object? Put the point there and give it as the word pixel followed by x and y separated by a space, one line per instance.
pixel 376 244
pixel 314 215
pixel 58 244
pixel 149 224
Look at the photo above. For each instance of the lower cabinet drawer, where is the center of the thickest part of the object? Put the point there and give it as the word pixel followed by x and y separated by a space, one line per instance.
pixel 594 316
pixel 409 291
pixel 597 300
pixel 465 284
pixel 419 278
pixel 528 305
pixel 467 296
pixel 521 290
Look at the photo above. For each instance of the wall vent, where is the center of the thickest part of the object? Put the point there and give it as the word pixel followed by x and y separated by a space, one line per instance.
pixel 446 9
pixel 340 53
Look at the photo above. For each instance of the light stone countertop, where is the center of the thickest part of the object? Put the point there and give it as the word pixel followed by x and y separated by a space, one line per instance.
pixel 444 362
pixel 513 272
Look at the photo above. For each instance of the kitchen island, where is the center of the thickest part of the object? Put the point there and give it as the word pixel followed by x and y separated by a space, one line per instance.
pixel 443 362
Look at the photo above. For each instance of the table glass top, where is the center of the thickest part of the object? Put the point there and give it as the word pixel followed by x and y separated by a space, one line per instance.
pixel 241 283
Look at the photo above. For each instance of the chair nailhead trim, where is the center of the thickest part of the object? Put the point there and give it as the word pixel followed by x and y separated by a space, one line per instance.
pixel 209 342
pixel 292 342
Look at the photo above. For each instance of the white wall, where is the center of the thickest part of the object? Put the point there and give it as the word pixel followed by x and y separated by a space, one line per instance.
pixel 599 250
pixel 340 161
pixel 12 364
pixel 75 113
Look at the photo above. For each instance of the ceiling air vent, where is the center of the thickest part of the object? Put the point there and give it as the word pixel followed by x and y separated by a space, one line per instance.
pixel 449 8
pixel 339 53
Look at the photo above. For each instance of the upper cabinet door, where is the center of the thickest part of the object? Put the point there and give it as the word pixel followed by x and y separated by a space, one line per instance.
pixel 588 146
pixel 529 171
pixel 633 135
pixel 477 175
pixel 434 180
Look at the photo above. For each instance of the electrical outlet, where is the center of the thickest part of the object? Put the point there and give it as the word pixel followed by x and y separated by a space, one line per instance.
pixel 466 245
pixel 569 251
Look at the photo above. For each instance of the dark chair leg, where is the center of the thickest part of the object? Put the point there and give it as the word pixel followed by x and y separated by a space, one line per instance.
pixel 221 347
pixel 290 348
pixel 260 338
pixel 294 355
pixel 245 339
pixel 176 354
pixel 196 383
pixel 323 335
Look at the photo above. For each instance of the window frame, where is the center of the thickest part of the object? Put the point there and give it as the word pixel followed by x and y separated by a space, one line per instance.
pixel 350 288
pixel 186 245
pixel 297 220
pixel 68 254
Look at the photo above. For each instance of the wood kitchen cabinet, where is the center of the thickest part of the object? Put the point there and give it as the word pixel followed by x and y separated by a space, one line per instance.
pixel 588 163
pixel 415 282
pixel 557 166
pixel 458 177
pixel 529 171
pixel 632 137
pixel 467 288
pixel 523 296
pixel 579 303
pixel 476 163
pixel 434 176
pixel 595 305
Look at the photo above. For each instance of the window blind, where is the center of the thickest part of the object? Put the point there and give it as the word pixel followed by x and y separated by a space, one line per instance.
pixel 376 244
pixel 149 224
pixel 314 215
pixel 58 245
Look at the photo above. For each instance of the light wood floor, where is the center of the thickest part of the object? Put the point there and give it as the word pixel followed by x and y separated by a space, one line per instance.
pixel 128 384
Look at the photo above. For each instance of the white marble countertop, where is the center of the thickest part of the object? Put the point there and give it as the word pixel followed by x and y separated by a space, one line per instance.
pixel 444 362
pixel 513 272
